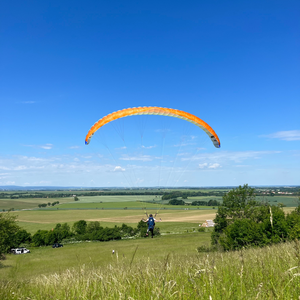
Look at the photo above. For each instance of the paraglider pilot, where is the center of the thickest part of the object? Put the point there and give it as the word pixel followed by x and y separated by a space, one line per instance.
pixel 151 224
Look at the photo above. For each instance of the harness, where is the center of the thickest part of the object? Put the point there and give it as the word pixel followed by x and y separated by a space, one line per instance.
pixel 151 223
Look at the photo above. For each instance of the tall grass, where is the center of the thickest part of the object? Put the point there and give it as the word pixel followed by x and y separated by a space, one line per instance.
pixel 268 273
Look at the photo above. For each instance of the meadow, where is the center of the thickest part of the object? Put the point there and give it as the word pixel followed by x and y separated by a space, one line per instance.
pixel 166 267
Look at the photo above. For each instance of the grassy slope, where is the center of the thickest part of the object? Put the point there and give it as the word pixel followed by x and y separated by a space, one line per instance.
pixel 40 260
pixel 162 268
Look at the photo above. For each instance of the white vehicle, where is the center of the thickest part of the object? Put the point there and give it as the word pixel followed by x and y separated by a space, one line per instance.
pixel 20 250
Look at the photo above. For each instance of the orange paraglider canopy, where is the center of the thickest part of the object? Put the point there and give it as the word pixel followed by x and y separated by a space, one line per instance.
pixel 153 110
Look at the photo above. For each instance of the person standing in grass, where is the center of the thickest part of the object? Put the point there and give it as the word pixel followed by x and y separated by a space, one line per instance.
pixel 151 224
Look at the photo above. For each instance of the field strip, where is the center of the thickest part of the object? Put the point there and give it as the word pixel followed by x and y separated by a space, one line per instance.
pixel 166 217
pixel 35 222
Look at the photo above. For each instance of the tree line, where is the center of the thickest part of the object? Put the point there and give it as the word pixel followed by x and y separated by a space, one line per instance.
pixel 165 195
pixel 194 203
pixel 12 236
pixel 48 204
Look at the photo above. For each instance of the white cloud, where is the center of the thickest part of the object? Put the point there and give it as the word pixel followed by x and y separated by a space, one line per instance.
pixel 184 144
pixel 148 147
pixel 119 169
pixel 27 102
pixel 209 166
pixel 44 182
pixel 214 166
pixel 45 146
pixel 224 156
pixel 290 135
pixel 9 182
pixel 140 158
pixel 4 168
pixel 74 147
pixel 32 159
pixel 202 166
pixel 19 168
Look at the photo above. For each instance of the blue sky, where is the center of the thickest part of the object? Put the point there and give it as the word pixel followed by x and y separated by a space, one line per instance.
pixel 234 64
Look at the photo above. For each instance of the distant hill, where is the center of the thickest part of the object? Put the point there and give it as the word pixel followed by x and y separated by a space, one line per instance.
pixel 64 188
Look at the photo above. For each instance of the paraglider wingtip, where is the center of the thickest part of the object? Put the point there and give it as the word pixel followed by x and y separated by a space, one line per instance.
pixel 86 142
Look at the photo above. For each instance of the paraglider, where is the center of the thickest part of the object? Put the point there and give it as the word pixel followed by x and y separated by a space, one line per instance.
pixel 153 110
pixel 160 111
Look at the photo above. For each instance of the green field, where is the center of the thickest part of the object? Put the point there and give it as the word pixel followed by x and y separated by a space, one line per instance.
pixel 122 202
pixel 288 201
pixel 175 221
pixel 24 203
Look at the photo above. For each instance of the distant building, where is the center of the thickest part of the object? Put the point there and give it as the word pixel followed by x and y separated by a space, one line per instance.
pixel 208 223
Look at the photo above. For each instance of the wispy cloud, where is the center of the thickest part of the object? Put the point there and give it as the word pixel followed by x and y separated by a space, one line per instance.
pixel 74 147
pixel 214 166
pixel 140 158
pixel 149 147
pixel 27 102
pixel 209 166
pixel 184 144
pixel 119 169
pixel 7 183
pixel 290 135
pixel 45 146
pixel 224 156
pixel 202 166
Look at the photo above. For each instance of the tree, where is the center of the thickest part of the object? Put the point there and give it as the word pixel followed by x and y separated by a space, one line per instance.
pixel 238 203
pixel 22 236
pixel 93 226
pixel 39 238
pixel 8 230
pixel 79 227
pixel 176 202
pixel 241 222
